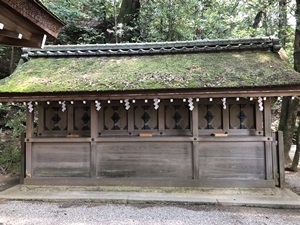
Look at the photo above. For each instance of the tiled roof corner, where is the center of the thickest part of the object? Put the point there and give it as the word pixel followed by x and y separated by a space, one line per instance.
pixel 268 43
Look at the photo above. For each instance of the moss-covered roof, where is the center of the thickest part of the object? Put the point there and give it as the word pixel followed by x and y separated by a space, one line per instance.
pixel 218 70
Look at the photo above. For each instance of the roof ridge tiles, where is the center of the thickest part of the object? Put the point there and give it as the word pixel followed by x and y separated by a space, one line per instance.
pixel 264 43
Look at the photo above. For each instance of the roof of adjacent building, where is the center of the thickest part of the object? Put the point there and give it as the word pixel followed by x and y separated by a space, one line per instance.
pixel 198 65
pixel 27 23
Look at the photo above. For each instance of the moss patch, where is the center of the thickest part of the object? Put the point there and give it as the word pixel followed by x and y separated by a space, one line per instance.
pixel 150 72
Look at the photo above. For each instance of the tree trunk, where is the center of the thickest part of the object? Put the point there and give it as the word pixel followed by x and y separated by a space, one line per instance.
pixel 297 68
pixel 128 14
pixel 257 19
pixel 129 11
pixel 287 123
pixel 12 60
pixel 295 163
pixel 282 25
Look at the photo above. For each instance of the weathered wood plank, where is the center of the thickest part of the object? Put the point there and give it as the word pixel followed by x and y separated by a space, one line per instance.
pixel 195 160
pixel 93 160
pixel 61 159
pixel 151 160
pixel 230 160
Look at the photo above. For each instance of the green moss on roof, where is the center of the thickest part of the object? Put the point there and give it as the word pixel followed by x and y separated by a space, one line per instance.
pixel 218 70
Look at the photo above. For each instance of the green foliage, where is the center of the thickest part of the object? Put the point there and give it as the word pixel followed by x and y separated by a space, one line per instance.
pixel 86 21
pixel 93 21
pixel 8 61
pixel 12 125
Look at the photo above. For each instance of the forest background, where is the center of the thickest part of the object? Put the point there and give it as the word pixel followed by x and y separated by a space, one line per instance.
pixel 116 21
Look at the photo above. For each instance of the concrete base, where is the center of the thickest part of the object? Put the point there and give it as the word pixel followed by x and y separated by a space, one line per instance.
pixel 265 197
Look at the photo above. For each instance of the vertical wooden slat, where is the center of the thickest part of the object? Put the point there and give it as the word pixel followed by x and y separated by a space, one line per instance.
pixel 29 134
pixel 195 156
pixel 275 159
pixel 195 149
pixel 258 120
pixel 161 117
pixel 41 119
pixel 268 134
pixel 130 120
pixel 225 119
pixel 194 121
pixel 101 120
pixel 93 158
pixel 70 119
pixel 22 164
pixel 94 121
pixel 280 152
pixel 94 134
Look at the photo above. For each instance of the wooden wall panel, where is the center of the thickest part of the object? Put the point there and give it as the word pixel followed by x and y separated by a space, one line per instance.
pixel 144 160
pixel 61 159
pixel 244 160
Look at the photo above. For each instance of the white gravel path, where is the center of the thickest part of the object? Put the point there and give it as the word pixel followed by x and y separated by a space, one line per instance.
pixel 26 213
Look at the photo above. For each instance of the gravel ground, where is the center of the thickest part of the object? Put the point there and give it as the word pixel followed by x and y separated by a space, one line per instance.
pixel 25 213
pixel 36 213
pixel 293 181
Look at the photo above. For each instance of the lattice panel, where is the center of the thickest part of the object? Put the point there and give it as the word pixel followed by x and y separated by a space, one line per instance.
pixel 177 117
pixel 82 118
pixel 115 118
pixel 210 116
pixel 55 119
pixel 145 118
pixel 242 116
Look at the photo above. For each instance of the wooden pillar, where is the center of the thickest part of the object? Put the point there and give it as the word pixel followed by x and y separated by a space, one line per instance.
pixel 41 119
pixel 22 162
pixel 259 120
pixel 161 117
pixel 225 119
pixel 195 148
pixel 268 144
pixel 130 121
pixel 29 135
pixel 70 119
pixel 94 135
pixel 275 159
pixel 280 153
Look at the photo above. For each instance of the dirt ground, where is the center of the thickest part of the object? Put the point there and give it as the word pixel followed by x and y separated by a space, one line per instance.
pixel 7 181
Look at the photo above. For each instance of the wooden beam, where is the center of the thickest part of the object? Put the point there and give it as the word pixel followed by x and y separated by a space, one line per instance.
pixel 32 15
pixel 150 94
pixel 12 26
pixel 35 42
pixel 144 182
pixel 11 34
